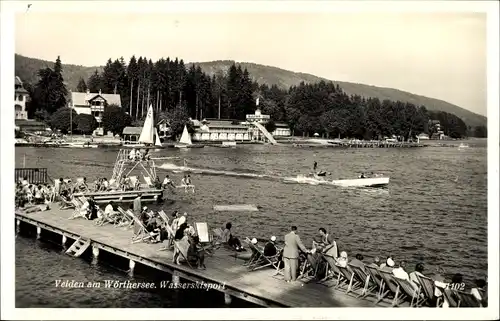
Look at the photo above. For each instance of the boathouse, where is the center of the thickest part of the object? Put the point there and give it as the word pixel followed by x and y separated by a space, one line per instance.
pixel 220 130
pixel 131 134
pixel 282 130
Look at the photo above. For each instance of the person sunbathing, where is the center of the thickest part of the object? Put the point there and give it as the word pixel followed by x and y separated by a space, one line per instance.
pixel 231 240
pixel 342 260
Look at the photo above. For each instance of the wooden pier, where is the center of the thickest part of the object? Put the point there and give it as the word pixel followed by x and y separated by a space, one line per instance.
pixel 260 287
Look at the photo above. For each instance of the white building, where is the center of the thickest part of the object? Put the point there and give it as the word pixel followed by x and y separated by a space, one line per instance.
pixel 20 98
pixel 258 117
pixel 282 130
pixel 93 103
pixel 220 130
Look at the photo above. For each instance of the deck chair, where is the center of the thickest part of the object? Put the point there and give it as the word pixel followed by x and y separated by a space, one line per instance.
pixel 260 260
pixel 377 278
pixel 428 289
pixel 148 181
pixel 466 300
pixel 183 254
pixel 217 235
pixel 126 219
pixel 451 298
pixel 142 234
pixel 417 298
pixel 73 203
pixel 77 206
pixel 364 278
pixel 350 280
pixel 335 274
pixel 393 285
pixel 134 182
pixel 206 240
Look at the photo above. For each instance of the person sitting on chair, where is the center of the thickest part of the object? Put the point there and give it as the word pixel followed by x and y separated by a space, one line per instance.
pixel 167 182
pixel 231 240
pixel 196 253
pixel 270 247
pixel 92 209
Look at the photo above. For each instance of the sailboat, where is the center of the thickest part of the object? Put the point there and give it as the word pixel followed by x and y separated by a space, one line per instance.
pixel 185 140
pixel 149 135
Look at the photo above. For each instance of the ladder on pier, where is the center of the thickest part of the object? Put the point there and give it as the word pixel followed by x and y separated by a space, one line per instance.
pixel 77 248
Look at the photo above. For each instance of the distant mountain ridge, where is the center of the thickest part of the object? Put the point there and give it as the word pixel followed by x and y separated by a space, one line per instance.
pixel 26 68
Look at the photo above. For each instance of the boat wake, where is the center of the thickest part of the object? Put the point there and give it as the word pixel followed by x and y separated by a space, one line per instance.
pixel 299 179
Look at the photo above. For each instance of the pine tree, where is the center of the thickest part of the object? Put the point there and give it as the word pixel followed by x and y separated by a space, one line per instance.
pixel 82 86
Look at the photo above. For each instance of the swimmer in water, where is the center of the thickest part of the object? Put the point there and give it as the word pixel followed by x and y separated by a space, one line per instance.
pixel 315 166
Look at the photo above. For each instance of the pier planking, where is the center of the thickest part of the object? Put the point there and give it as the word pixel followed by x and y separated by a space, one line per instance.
pixel 260 287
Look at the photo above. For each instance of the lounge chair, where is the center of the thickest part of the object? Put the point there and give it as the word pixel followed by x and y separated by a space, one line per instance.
pixel 335 275
pixel 350 280
pixel 183 254
pixel 134 183
pixel 377 277
pixel 260 260
pixel 450 297
pixel 417 298
pixel 77 206
pixel 398 295
pixel 206 240
pixel 465 299
pixel 148 181
pixel 142 233
pixel 428 289
pixel 126 218
pixel 364 277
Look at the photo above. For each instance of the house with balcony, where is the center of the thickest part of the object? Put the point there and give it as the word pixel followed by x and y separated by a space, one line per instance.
pixel 21 96
pixel 93 103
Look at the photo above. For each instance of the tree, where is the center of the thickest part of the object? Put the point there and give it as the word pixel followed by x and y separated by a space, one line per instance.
pixel 480 131
pixel 50 92
pixel 63 121
pixel 114 119
pixel 82 86
pixel 94 83
pixel 86 123
pixel 270 126
pixel 177 119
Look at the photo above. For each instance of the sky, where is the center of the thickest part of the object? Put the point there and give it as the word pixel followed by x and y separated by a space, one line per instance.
pixel 439 55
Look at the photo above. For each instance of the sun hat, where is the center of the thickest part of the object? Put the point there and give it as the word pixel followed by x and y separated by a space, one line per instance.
pixel 273 238
pixel 144 208
pixel 343 254
pixel 254 241
pixel 390 262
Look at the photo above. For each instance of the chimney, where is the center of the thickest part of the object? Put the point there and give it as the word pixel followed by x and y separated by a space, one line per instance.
pixel 88 91
pixel 100 92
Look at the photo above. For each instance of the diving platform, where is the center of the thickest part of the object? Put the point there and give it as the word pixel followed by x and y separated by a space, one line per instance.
pixel 260 287
pixel 147 195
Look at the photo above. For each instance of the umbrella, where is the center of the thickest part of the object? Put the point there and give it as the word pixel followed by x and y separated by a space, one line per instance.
pixel 316 134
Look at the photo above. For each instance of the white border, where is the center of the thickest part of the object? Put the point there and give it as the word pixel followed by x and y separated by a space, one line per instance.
pixel 7 158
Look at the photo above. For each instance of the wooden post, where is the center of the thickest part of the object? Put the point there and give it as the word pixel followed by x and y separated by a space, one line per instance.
pixel 18 226
pixel 227 299
pixel 95 251
pixel 175 278
pixel 64 239
pixel 38 232
pixel 131 265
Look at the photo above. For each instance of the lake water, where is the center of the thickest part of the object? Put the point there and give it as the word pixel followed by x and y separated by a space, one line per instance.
pixel 434 211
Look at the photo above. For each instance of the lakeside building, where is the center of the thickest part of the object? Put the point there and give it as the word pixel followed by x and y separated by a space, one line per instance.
pixel 435 127
pixel 21 96
pixel 93 103
pixel 220 130
pixel 282 130
pixel 131 134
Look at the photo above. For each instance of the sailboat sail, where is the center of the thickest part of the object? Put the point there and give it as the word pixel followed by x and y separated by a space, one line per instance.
pixel 157 140
pixel 148 128
pixel 185 138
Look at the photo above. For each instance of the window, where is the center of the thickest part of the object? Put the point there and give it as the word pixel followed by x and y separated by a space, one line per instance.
pixel 20 97
pixel 19 108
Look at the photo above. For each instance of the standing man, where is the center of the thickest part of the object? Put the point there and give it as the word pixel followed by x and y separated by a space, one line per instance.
pixel 137 204
pixel 293 245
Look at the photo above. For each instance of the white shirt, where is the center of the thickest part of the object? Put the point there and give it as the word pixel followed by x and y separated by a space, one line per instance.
pixel 83 209
pixel 108 209
pixel 106 184
pixel 400 273
pixel 166 181
pixel 183 181
pixel 24 182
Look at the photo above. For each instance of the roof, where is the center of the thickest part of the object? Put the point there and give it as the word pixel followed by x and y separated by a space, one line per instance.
pixel 79 99
pixel 18 81
pixel 21 91
pixel 132 130
pixel 281 125
pixel 26 122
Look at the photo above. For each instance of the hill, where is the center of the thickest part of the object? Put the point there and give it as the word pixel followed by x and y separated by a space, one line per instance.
pixel 26 68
